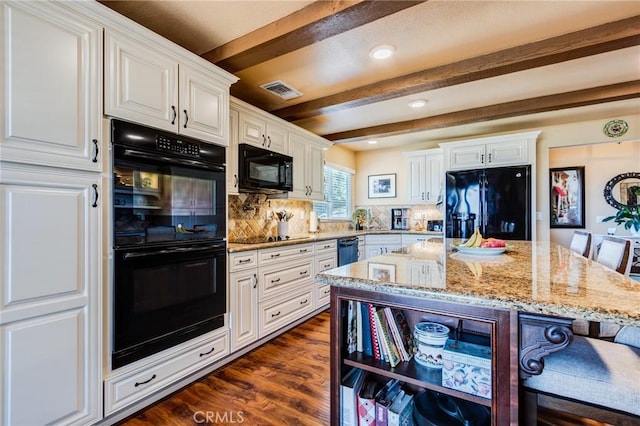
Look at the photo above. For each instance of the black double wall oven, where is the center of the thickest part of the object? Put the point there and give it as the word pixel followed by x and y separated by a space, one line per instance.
pixel 169 247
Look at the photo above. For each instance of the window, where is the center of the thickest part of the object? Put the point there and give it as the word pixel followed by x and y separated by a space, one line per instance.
pixel 338 193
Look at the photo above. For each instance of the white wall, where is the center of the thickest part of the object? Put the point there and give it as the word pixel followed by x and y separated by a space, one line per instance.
pixel 602 162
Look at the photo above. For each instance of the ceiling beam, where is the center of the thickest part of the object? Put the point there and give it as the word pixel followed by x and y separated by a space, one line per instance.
pixel 578 98
pixel 592 41
pixel 316 22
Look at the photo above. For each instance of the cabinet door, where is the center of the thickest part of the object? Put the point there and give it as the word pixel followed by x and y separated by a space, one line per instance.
pixel 232 153
pixel 468 157
pixel 244 308
pixel 298 151
pixel 253 129
pixel 506 153
pixel 315 172
pixel 50 258
pixel 416 176
pixel 204 106
pixel 277 138
pixel 373 251
pixel 434 176
pixel 48 359
pixel 140 83
pixel 43 123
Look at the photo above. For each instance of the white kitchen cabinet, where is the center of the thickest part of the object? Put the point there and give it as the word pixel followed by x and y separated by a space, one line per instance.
pixel 232 153
pixel 425 176
pixel 243 296
pixel 145 83
pixel 326 258
pixel 262 131
pixel 50 295
pixel 495 151
pixel 52 61
pixel 377 244
pixel 308 167
pixel 410 239
pixel 362 247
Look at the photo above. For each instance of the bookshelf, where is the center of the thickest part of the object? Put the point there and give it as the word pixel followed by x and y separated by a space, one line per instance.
pixel 496 324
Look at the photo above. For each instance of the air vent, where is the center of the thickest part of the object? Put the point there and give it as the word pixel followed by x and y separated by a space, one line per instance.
pixel 281 89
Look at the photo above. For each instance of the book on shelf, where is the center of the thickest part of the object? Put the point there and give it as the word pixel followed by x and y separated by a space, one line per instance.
pixel 374 331
pixel 367 402
pixel 351 327
pixel 405 330
pixel 387 340
pixel 384 354
pixel 395 334
pixel 349 388
pixel 384 397
pixel 359 330
pixel 367 347
pixel 401 410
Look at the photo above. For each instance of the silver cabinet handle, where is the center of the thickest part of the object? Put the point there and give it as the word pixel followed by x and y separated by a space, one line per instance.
pixel 489 157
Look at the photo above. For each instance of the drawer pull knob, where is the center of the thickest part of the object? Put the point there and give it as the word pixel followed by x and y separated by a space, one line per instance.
pixel 327 291
pixel 207 353
pixel 276 280
pixel 327 265
pixel 327 246
pixel 304 302
pixel 303 272
pixel 275 315
pixel 275 255
pixel 145 382
pixel 303 250
pixel 244 260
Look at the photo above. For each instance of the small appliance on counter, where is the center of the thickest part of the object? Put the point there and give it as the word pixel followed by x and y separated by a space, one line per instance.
pixel 434 225
pixel 400 219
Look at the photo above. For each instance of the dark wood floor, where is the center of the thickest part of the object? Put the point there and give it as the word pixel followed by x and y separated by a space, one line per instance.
pixel 283 382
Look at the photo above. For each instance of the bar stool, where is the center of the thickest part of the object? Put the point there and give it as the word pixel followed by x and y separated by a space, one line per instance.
pixel 581 243
pixel 591 378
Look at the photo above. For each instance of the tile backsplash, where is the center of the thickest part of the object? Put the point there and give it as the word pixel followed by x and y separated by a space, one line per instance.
pixel 253 215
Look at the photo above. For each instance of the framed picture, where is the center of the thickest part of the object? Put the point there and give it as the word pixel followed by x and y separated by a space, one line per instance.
pixel 382 272
pixel 567 197
pixel 382 186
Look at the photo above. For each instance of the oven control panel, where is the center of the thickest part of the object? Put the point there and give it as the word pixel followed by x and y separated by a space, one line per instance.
pixel 176 145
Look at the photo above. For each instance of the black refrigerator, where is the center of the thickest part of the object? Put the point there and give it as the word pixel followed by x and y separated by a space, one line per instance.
pixel 496 200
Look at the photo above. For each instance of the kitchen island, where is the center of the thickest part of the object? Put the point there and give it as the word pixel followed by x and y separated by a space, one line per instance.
pixel 513 298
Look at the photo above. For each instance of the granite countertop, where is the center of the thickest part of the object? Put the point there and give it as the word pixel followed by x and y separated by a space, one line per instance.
pixel 535 277
pixel 321 236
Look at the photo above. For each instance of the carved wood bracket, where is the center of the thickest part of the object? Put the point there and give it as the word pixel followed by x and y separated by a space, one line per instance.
pixel 540 336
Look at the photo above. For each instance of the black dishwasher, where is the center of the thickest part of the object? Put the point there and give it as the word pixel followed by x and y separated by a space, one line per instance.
pixel 347 250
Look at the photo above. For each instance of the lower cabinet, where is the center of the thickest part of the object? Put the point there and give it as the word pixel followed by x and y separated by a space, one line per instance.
pixel 326 258
pixel 280 311
pixel 134 384
pixel 377 244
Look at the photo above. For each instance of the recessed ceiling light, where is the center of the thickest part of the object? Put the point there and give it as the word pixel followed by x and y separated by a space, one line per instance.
pixel 418 103
pixel 383 51
pixel 372 142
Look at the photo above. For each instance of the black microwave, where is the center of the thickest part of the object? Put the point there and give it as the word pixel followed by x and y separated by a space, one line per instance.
pixel 261 170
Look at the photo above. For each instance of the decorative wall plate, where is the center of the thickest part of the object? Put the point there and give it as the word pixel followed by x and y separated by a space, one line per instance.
pixel 615 128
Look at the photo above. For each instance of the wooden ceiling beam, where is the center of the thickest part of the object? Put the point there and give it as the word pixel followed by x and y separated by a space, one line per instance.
pixel 592 41
pixel 316 22
pixel 578 98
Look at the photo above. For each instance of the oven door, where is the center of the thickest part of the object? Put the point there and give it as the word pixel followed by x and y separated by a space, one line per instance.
pixel 166 295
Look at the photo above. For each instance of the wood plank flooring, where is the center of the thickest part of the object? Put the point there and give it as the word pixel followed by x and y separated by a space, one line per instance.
pixel 283 382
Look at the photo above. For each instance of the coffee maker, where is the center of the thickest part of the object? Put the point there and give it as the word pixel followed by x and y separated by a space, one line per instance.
pixel 399 218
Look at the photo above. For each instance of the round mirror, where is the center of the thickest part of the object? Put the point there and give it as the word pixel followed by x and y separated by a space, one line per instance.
pixel 623 190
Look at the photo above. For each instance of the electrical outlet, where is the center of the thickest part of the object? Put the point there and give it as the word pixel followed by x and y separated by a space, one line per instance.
pixel 268 215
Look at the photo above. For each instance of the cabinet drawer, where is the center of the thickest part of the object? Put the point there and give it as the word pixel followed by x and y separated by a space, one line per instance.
pixel 126 389
pixel 326 246
pixel 279 312
pixel 274 281
pixel 322 295
pixel 384 239
pixel 243 260
pixel 276 255
pixel 324 263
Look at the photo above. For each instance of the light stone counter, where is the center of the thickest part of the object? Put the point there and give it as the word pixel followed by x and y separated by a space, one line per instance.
pixel 534 277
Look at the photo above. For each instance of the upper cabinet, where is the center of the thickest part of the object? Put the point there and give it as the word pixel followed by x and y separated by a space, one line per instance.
pixel 258 130
pixel 150 85
pixel 308 167
pixel 425 171
pixel 495 151
pixel 232 153
pixel 44 123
